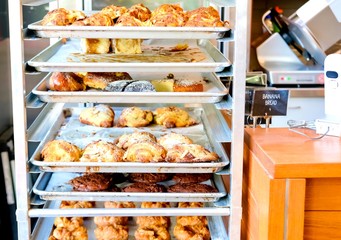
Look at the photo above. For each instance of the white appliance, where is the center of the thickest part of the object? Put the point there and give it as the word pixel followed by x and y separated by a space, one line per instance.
pixel 294 54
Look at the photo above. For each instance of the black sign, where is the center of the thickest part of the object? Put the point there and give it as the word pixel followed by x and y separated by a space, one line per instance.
pixel 269 102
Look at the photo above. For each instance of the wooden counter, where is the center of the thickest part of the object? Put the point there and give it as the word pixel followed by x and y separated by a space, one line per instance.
pixel 291 185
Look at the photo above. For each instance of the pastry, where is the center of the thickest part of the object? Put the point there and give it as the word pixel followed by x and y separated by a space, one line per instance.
pixel 114 11
pixel 172 116
pixel 134 117
pixel 168 15
pixel 152 232
pixel 147 151
pixel 99 116
pixel 80 233
pixel 191 220
pixel 113 204
pixel 100 80
pixel 190 204
pixel 204 17
pixel 191 177
pixel 76 204
pixel 188 85
pixel 144 187
pixel 157 221
pixel 148 177
pixel 191 188
pixel 155 205
pixel 191 232
pixel 111 232
pixel 90 182
pixel 102 151
pixel 64 81
pixel 126 140
pixel 69 223
pixel 163 85
pixel 190 153
pixel 60 151
pixel 102 221
pixel 170 139
pixel 139 86
pixel 62 17
pixel 140 12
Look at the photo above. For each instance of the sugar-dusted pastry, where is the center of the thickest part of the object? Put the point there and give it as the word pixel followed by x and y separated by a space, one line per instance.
pixel 102 151
pixel 134 117
pixel 139 86
pixel 147 151
pixel 126 140
pixel 188 85
pixel 172 117
pixel 65 81
pixel 188 153
pixel 100 80
pixel 168 140
pixel 60 151
pixel 99 116
pixel 204 17
pixel 62 17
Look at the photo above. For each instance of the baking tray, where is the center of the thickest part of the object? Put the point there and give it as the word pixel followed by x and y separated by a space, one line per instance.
pixel 127 32
pixel 68 127
pixel 214 90
pixel 65 57
pixel 44 225
pixel 54 186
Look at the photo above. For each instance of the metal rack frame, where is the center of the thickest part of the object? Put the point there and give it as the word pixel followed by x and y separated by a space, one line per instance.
pixel 24 212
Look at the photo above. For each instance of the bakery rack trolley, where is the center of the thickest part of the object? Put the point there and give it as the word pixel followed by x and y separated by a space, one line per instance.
pixel 21 101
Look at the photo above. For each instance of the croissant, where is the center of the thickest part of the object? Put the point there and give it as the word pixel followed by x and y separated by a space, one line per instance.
pixel 135 117
pixel 171 117
pixel 190 153
pixel 145 152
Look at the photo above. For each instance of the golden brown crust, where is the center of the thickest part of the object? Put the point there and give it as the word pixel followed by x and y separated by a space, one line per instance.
pixel 170 139
pixel 63 81
pixel 114 11
pixel 152 232
pixel 112 204
pixel 129 20
pixel 79 233
pixel 102 151
pixel 102 221
pixel 95 45
pixel 191 220
pixel 100 80
pixel 96 19
pixel 126 140
pixel 69 223
pixel 135 117
pixel 155 205
pixel 191 232
pixel 140 12
pixel 158 221
pixel 188 86
pixel 172 116
pixel 62 17
pixel 99 116
pixel 76 204
pixel 111 232
pixel 60 151
pixel 190 204
pixel 190 153
pixel 168 15
pixel 147 151
pixel 204 17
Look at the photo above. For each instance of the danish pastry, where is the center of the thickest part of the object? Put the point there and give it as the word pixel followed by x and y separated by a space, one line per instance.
pixel 146 151
pixel 102 221
pixel 135 117
pixel 190 204
pixel 158 221
pixel 170 139
pixel 100 80
pixel 64 81
pixel 60 151
pixel 102 151
pixel 172 117
pixel 152 232
pixel 168 15
pixel 187 153
pixel 111 232
pixel 62 17
pixel 76 204
pixel 114 11
pixel 69 223
pixel 113 204
pixel 99 116
pixel 155 205
pixel 191 232
pixel 204 17
pixel 61 233
pixel 126 140
pixel 140 12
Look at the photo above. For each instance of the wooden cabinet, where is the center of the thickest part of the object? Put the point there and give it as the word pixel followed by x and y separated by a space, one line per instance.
pixel 291 185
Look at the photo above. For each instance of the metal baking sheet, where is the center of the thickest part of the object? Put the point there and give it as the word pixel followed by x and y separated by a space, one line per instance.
pixel 214 90
pixel 54 186
pixel 56 58
pixel 68 127
pixel 127 32
pixel 44 225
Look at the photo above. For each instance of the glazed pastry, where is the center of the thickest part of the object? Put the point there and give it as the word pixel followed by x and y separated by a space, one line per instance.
pixel 62 17
pixel 102 151
pixel 100 80
pixel 188 153
pixel 192 188
pixel 99 116
pixel 90 182
pixel 135 117
pixel 146 151
pixel 148 177
pixel 152 232
pixel 144 187
pixel 204 17
pixel 111 232
pixel 191 177
pixel 64 81
pixel 170 139
pixel 60 151
pixel 172 116
pixel 126 140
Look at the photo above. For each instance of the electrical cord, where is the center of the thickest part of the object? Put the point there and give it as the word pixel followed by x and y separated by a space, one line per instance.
pixel 295 125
